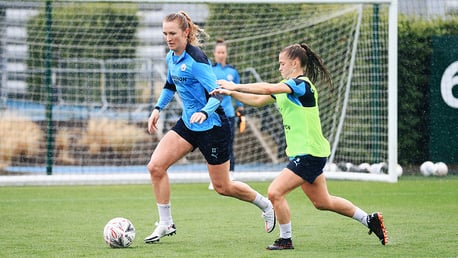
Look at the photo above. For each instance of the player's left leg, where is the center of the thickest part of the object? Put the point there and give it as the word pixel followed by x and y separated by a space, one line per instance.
pixel 219 175
pixel 318 194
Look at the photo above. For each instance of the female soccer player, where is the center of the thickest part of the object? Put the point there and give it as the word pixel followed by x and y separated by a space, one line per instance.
pixel 202 125
pixel 307 148
pixel 225 71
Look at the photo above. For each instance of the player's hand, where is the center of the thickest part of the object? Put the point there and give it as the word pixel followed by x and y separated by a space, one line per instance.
pixel 152 121
pixel 220 91
pixel 198 117
pixel 226 85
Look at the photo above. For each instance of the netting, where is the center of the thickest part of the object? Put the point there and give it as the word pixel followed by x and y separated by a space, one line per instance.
pixel 79 80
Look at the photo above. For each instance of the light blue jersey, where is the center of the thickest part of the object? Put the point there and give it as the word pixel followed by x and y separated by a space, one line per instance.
pixel 228 73
pixel 190 75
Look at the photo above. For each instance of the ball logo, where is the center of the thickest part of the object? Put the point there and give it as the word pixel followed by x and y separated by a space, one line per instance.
pixel 448 81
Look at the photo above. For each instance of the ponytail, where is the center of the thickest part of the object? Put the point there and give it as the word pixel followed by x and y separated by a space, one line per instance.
pixel 312 64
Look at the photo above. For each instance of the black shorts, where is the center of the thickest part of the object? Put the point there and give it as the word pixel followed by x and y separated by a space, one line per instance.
pixel 307 167
pixel 213 143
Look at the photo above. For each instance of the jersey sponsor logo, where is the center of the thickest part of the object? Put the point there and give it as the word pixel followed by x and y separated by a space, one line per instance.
pixel 178 78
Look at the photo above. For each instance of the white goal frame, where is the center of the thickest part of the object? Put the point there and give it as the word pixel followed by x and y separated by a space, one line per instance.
pixel 392 175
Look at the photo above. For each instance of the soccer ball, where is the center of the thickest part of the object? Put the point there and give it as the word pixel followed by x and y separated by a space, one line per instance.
pixel 399 170
pixel 330 167
pixel 119 233
pixel 441 169
pixel 365 167
pixel 427 168
pixel 378 168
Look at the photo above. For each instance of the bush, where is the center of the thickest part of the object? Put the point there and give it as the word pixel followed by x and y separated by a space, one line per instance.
pixel 414 63
pixel 18 137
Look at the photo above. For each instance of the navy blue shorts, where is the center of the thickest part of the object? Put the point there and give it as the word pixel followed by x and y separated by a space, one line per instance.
pixel 307 167
pixel 213 143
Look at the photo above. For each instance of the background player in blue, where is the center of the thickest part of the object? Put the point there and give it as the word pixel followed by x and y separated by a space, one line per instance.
pixel 202 125
pixel 225 71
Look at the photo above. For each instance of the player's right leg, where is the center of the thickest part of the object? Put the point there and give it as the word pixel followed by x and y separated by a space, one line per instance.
pixel 284 183
pixel 375 224
pixel 162 158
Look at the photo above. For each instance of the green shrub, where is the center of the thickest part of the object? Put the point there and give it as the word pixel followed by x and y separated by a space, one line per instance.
pixel 414 63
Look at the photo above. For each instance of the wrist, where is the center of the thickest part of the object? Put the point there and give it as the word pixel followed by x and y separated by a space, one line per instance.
pixel 205 113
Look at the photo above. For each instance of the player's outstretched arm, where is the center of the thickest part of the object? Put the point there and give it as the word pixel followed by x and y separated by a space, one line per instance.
pixel 261 88
pixel 253 100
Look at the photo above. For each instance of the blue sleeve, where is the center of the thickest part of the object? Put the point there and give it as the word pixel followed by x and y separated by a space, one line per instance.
pixel 207 78
pixel 212 104
pixel 165 98
pixel 297 86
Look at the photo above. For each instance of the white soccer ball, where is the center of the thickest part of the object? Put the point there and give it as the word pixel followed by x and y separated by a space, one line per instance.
pixel 427 168
pixel 119 233
pixel 399 170
pixel 364 167
pixel 378 168
pixel 441 169
pixel 330 167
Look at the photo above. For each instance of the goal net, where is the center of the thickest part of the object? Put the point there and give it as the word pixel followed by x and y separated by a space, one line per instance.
pixel 79 78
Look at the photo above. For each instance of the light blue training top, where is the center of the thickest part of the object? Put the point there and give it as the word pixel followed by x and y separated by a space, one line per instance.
pixel 191 75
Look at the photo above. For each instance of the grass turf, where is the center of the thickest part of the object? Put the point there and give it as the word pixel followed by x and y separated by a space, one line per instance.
pixel 420 215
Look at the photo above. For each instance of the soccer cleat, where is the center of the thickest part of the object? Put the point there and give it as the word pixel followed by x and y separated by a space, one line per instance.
pixel 210 186
pixel 159 232
pixel 269 219
pixel 376 225
pixel 281 244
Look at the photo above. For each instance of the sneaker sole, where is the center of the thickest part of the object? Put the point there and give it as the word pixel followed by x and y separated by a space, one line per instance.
pixel 275 223
pixel 157 240
pixel 384 241
pixel 270 248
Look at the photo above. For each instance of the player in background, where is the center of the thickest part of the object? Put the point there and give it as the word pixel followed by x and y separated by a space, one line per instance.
pixel 307 148
pixel 225 71
pixel 202 125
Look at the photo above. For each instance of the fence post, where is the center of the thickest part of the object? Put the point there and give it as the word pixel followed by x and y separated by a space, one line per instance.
pixel 49 90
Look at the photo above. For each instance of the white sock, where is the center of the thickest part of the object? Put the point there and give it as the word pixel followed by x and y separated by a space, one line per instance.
pixel 165 214
pixel 285 230
pixel 262 202
pixel 360 216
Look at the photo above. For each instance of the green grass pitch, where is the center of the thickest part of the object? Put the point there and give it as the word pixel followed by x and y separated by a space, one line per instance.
pixel 67 221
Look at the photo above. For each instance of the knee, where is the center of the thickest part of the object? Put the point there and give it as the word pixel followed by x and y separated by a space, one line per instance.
pixel 221 189
pixel 321 205
pixel 154 169
pixel 274 195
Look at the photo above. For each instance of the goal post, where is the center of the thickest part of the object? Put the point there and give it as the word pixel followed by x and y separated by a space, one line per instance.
pixel 388 38
pixel 105 63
